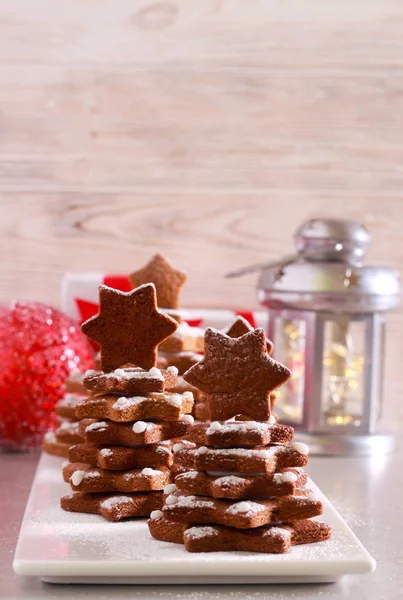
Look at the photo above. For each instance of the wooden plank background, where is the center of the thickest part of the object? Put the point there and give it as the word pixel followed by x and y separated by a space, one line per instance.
pixel 206 130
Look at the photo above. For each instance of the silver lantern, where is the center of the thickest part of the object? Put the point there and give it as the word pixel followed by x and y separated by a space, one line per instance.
pixel 327 322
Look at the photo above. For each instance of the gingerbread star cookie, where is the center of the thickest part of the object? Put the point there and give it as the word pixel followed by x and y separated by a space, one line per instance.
pixel 237 374
pixel 167 280
pixel 239 327
pixel 128 327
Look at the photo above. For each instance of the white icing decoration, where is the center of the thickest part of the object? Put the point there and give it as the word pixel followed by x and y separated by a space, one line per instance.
pixel 251 425
pixel 168 489
pixel 156 514
pixel 139 427
pixel 147 471
pixel 90 372
pixel 175 399
pixel 214 426
pixel 171 500
pixel 178 447
pixel 77 477
pixel 241 507
pixel 106 452
pixel 202 450
pixel 153 373
pixel 300 447
pixel 272 420
pixel 278 478
pixel 173 370
pixel 289 477
pixel 187 418
pixel 263 454
pixel 187 395
pixel 121 401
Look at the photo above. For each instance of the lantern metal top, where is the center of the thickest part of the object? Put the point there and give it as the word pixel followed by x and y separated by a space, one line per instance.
pixel 333 240
pixel 327 272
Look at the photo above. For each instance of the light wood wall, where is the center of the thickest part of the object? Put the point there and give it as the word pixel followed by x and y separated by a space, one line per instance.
pixel 205 129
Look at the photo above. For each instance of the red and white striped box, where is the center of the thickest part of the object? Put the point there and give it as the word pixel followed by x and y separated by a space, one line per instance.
pixel 79 300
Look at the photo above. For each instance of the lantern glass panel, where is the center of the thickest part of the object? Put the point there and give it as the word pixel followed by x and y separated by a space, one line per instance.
pixel 290 339
pixel 342 396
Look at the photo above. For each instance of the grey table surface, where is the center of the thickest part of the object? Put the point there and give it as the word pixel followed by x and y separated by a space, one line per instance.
pixel 366 491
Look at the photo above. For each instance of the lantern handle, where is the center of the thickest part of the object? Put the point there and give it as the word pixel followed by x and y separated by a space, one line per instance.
pixel 287 260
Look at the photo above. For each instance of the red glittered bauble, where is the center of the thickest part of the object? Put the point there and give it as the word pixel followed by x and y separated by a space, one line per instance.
pixel 39 347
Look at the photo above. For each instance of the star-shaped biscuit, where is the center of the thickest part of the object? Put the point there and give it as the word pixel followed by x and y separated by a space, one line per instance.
pixel 239 327
pixel 237 374
pixel 167 280
pixel 128 327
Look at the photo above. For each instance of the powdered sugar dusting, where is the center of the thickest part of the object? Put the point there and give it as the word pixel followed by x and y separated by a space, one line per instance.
pixel 116 502
pixel 201 531
pixel 278 531
pixel 98 426
pixel 191 502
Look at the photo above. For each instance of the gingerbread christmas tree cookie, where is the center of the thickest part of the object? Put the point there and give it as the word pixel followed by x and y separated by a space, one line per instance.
pixel 123 458
pixel 241 487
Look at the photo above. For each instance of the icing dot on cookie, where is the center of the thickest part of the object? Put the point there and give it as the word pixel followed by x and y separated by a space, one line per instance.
pixel 202 450
pixel 241 507
pixel 175 399
pixel 106 452
pixel 155 373
pixel 187 418
pixel 263 454
pixel 120 402
pixel 187 395
pixel 90 372
pixel 173 370
pixel 178 447
pixel 168 489
pixel 300 447
pixel 147 471
pixel 139 427
pixel 272 420
pixel 77 477
pixel 156 514
pixel 251 425
pixel 289 477
pixel 171 500
pixel 214 426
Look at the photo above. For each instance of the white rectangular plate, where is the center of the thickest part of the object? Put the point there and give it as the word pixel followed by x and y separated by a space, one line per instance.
pixel 64 547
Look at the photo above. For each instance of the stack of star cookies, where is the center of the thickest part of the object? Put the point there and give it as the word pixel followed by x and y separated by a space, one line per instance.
pixel 130 416
pixel 185 346
pixel 244 488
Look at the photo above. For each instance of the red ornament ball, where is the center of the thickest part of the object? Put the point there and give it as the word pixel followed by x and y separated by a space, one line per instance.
pixel 39 347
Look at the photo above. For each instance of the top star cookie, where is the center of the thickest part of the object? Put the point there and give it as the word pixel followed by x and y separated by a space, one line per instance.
pixel 128 327
pixel 237 374
pixel 167 280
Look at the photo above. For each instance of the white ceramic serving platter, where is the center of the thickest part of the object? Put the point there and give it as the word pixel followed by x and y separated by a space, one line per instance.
pixel 63 547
